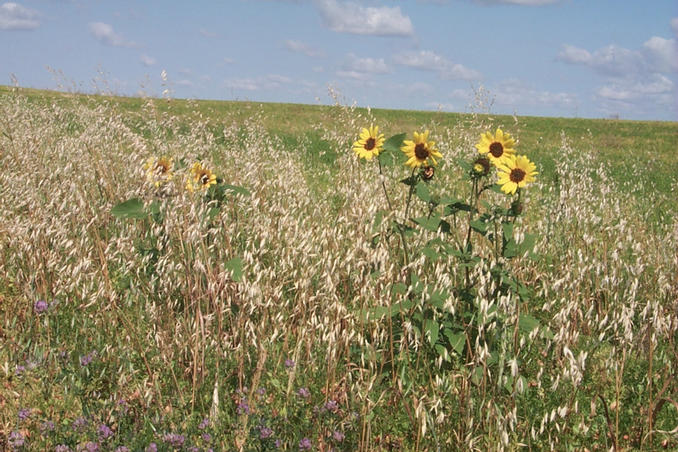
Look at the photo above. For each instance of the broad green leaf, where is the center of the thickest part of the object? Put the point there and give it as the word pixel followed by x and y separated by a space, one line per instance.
pixel 423 193
pixel 479 226
pixel 235 265
pixel 456 340
pixel 132 208
pixel 432 329
pixel 411 180
pixel 236 189
pixel 394 143
pixel 527 323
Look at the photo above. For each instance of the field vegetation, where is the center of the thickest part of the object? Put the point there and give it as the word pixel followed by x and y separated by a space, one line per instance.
pixel 196 275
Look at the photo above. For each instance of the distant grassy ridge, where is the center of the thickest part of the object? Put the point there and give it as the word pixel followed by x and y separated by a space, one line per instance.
pixel 621 144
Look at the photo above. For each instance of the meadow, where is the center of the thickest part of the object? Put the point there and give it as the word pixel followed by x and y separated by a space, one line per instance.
pixel 286 294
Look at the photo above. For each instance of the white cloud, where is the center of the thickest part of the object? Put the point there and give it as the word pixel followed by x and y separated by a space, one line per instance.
pixel 105 34
pixel 657 87
pixel 515 93
pixel 366 65
pixel 16 17
pixel 351 17
pixel 300 47
pixel 229 61
pixel 147 60
pixel 430 61
pixel 272 81
pixel 661 54
pixel 674 25
pixel 574 55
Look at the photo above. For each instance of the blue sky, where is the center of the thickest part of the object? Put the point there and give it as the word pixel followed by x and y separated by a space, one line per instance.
pixel 572 58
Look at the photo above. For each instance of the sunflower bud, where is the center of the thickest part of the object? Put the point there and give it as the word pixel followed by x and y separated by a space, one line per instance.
pixel 427 173
pixel 481 167
pixel 516 208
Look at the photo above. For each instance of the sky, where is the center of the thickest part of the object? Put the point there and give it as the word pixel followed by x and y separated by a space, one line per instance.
pixel 564 58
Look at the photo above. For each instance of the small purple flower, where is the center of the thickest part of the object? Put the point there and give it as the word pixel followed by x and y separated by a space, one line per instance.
pixel 62 448
pixel 15 440
pixel 24 414
pixel 206 437
pixel 19 370
pixel 105 432
pixel 261 391
pixel 46 427
pixel 305 444
pixel 243 407
pixel 122 449
pixel 89 446
pixel 289 363
pixel 86 359
pixel 338 436
pixel 152 448
pixel 194 449
pixel 204 423
pixel 123 407
pixel 332 405
pixel 79 424
pixel 40 306
pixel 265 432
pixel 174 439
pixel 304 393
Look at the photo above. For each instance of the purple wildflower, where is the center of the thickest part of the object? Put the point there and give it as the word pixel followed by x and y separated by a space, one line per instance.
pixel 277 444
pixel 304 393
pixel 204 423
pixel 24 414
pixel 206 437
pixel 46 427
pixel 152 448
pixel 122 449
pixel 104 431
pixel 40 306
pixel 289 363
pixel 62 448
pixel 194 449
pixel 174 439
pixel 265 432
pixel 79 424
pixel 89 446
pixel 305 444
pixel 261 391
pixel 332 405
pixel 243 407
pixel 86 359
pixel 338 436
pixel 15 440
pixel 19 370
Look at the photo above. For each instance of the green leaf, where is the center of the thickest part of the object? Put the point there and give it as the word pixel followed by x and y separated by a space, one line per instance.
pixel 527 323
pixel 236 189
pixel 432 328
pixel 132 208
pixel 456 340
pixel 430 253
pixel 394 143
pixel 423 193
pixel 479 226
pixel 386 159
pixel 235 265
pixel 430 224
pixel 508 230
pixel 411 181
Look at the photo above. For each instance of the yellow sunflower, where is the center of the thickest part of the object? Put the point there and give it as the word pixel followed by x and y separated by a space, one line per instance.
pixel 200 178
pixel 515 172
pixel 498 147
pixel 370 143
pixel 420 150
pixel 158 170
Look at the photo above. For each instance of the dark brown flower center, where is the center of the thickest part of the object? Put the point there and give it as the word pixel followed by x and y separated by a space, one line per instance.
pixel 161 168
pixel 496 149
pixel 204 178
pixel 428 173
pixel 421 151
pixel 517 175
pixel 370 144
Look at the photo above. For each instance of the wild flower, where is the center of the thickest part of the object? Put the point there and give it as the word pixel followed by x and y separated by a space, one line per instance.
pixel 369 144
pixel 174 439
pixel 152 447
pixel 15 440
pixel 79 424
pixel 265 432
pixel 305 444
pixel 158 170
pixel 289 363
pixel 24 414
pixel 338 436
pixel 62 448
pixel 89 446
pixel 122 449
pixel 332 406
pixel 304 393
pixel 204 423
pixel 420 151
pixel 242 407
pixel 47 427
pixel 19 370
pixel 206 437
pixel 497 146
pixel 200 178
pixel 515 172
pixel 85 360
pixel 40 306
pixel 104 432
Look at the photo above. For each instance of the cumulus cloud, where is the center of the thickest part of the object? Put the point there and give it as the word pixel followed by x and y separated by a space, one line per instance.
pixel 16 17
pixel 147 60
pixel 351 17
pixel 430 61
pixel 674 25
pixel 516 93
pixel 366 65
pixel 657 86
pixel 661 54
pixel 300 47
pixel 105 34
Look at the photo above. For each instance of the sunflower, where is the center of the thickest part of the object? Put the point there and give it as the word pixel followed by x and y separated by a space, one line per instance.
pixel 498 147
pixel 515 172
pixel 158 170
pixel 200 178
pixel 370 143
pixel 420 150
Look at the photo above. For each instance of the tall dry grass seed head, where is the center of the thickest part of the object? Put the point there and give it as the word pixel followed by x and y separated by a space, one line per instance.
pixel 497 146
pixel 370 143
pixel 420 150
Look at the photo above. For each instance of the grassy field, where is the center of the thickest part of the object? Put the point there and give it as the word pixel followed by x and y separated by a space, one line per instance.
pixel 309 300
